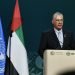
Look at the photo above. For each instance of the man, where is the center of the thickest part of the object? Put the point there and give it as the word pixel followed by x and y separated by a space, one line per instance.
pixel 57 38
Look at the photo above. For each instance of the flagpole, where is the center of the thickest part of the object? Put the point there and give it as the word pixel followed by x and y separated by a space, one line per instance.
pixel 10 36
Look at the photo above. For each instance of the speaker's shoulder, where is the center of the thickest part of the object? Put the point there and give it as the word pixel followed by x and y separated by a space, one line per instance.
pixel 48 31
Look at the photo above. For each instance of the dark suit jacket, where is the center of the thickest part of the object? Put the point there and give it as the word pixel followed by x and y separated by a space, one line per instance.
pixel 49 40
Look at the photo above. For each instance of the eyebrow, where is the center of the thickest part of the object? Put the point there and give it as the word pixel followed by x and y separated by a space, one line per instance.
pixel 59 19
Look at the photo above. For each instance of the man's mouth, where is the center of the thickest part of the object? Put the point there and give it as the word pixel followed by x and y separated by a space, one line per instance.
pixel 60 25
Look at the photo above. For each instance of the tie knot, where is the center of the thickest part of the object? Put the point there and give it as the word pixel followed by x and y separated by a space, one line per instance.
pixel 59 32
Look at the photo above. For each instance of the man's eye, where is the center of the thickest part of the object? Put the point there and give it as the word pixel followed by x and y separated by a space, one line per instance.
pixel 60 20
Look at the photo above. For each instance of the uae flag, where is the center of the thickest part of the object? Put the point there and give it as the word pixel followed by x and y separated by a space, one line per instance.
pixel 16 51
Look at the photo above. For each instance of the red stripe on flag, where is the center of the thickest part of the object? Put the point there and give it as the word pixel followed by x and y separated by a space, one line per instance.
pixel 16 21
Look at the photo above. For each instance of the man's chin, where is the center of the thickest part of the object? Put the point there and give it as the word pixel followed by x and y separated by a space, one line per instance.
pixel 59 28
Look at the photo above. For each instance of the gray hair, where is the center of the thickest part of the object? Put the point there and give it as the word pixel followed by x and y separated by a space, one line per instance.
pixel 56 14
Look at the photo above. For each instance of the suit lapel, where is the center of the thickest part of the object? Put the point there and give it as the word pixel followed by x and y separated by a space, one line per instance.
pixel 65 38
pixel 55 38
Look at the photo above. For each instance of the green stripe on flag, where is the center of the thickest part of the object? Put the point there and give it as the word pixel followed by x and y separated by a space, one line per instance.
pixel 19 32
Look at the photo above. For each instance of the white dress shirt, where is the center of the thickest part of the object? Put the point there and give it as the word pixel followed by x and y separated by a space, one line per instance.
pixel 59 34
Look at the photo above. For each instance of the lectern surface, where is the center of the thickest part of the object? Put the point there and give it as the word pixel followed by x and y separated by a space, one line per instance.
pixel 59 62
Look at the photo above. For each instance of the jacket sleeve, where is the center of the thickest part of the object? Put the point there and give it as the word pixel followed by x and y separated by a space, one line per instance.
pixel 43 44
pixel 72 41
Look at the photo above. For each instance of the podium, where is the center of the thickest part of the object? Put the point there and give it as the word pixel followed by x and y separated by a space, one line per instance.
pixel 59 62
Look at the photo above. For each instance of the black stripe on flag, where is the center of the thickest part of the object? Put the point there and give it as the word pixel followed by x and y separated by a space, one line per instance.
pixel 10 69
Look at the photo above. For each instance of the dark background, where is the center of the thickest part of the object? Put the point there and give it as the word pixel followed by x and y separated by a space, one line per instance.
pixel 36 16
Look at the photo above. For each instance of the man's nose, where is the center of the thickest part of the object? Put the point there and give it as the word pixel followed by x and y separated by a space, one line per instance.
pixel 60 21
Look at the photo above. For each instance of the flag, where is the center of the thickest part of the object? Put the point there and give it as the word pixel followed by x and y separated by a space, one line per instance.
pixel 2 51
pixel 16 50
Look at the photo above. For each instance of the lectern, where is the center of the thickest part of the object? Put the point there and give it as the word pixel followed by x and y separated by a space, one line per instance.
pixel 59 62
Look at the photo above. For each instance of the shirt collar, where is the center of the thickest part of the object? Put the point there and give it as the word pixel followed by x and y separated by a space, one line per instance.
pixel 57 30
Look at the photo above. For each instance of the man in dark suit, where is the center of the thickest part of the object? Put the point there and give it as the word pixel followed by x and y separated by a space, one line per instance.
pixel 57 38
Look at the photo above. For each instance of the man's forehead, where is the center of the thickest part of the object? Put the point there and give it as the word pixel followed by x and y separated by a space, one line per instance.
pixel 59 17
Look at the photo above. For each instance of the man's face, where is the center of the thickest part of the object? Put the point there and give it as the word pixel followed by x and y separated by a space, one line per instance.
pixel 58 22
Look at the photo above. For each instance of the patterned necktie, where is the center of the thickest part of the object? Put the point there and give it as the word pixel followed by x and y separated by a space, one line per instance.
pixel 60 38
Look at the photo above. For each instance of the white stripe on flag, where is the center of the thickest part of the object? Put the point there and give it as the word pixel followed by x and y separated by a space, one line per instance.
pixel 18 55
